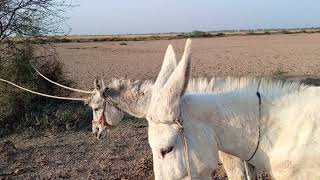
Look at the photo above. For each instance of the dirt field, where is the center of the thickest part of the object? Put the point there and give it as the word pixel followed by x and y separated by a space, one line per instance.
pixel 297 54
pixel 126 155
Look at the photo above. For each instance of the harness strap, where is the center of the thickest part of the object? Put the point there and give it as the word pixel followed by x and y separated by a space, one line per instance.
pixel 186 148
pixel 259 97
pixel 102 120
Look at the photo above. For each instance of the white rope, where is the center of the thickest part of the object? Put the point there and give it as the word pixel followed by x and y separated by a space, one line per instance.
pixel 66 87
pixel 41 94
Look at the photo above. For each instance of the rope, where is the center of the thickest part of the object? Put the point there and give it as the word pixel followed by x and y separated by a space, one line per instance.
pixel 55 83
pixel 41 94
pixel 186 149
pixel 259 97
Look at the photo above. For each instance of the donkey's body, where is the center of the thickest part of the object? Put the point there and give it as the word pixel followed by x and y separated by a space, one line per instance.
pixel 289 146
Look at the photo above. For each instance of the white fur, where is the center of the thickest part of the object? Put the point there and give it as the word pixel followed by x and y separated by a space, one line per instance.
pixel 225 116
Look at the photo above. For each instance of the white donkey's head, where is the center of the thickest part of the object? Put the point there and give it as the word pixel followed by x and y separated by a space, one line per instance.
pixel 105 115
pixel 170 158
pixel 108 102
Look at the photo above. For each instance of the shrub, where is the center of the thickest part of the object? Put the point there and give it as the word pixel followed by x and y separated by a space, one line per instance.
pixel 19 109
pixel 220 34
pixel 286 32
pixel 251 32
pixel 198 34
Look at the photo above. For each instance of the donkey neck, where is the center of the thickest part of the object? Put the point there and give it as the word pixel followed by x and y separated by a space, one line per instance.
pixel 135 101
pixel 233 118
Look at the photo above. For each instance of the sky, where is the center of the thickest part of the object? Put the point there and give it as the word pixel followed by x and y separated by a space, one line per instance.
pixel 102 17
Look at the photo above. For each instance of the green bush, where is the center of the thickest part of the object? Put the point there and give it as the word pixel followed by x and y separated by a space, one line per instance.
pixel 196 34
pixel 220 34
pixel 20 109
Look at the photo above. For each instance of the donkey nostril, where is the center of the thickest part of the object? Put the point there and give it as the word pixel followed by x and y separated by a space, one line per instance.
pixel 166 151
pixel 99 136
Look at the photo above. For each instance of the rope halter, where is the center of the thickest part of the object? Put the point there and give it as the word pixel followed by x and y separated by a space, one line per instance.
pixel 102 121
pixel 179 122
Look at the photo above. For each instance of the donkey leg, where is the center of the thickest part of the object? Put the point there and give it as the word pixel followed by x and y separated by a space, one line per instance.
pixel 237 169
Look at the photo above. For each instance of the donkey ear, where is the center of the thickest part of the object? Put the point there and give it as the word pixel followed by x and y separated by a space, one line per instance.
pixel 177 83
pixel 165 100
pixel 99 84
pixel 168 65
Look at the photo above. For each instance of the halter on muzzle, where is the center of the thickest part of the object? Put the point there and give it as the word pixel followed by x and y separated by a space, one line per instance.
pixel 102 121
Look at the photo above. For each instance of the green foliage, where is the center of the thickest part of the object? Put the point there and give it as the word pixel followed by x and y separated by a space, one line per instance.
pixel 198 34
pixel 19 109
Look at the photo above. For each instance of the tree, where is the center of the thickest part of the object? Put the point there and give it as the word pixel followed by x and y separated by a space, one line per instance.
pixel 31 18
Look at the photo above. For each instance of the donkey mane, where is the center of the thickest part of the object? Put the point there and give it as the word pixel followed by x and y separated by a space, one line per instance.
pixel 140 85
pixel 268 86
pixel 221 85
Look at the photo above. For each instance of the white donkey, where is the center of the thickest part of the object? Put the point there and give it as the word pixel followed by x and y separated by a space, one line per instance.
pixel 272 124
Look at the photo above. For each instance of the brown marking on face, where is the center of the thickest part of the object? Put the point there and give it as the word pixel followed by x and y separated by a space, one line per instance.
pixel 102 120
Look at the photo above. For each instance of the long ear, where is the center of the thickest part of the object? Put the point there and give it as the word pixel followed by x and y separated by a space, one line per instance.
pixel 168 65
pixel 165 100
pixel 99 85
pixel 179 79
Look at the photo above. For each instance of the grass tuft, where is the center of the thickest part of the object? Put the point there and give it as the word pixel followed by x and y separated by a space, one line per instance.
pixel 279 73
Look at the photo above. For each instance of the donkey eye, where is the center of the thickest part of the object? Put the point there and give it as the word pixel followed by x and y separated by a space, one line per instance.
pixel 166 151
pixel 96 109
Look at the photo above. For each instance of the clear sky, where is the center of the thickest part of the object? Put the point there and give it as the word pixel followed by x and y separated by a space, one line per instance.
pixel 93 17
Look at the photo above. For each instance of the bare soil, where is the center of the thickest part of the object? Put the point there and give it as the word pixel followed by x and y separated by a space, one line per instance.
pixel 126 153
pixel 264 55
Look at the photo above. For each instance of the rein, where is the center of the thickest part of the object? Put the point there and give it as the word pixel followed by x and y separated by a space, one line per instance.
pixel 259 97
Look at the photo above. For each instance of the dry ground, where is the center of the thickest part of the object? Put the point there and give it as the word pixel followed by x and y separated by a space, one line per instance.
pixel 126 155
pixel 297 54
